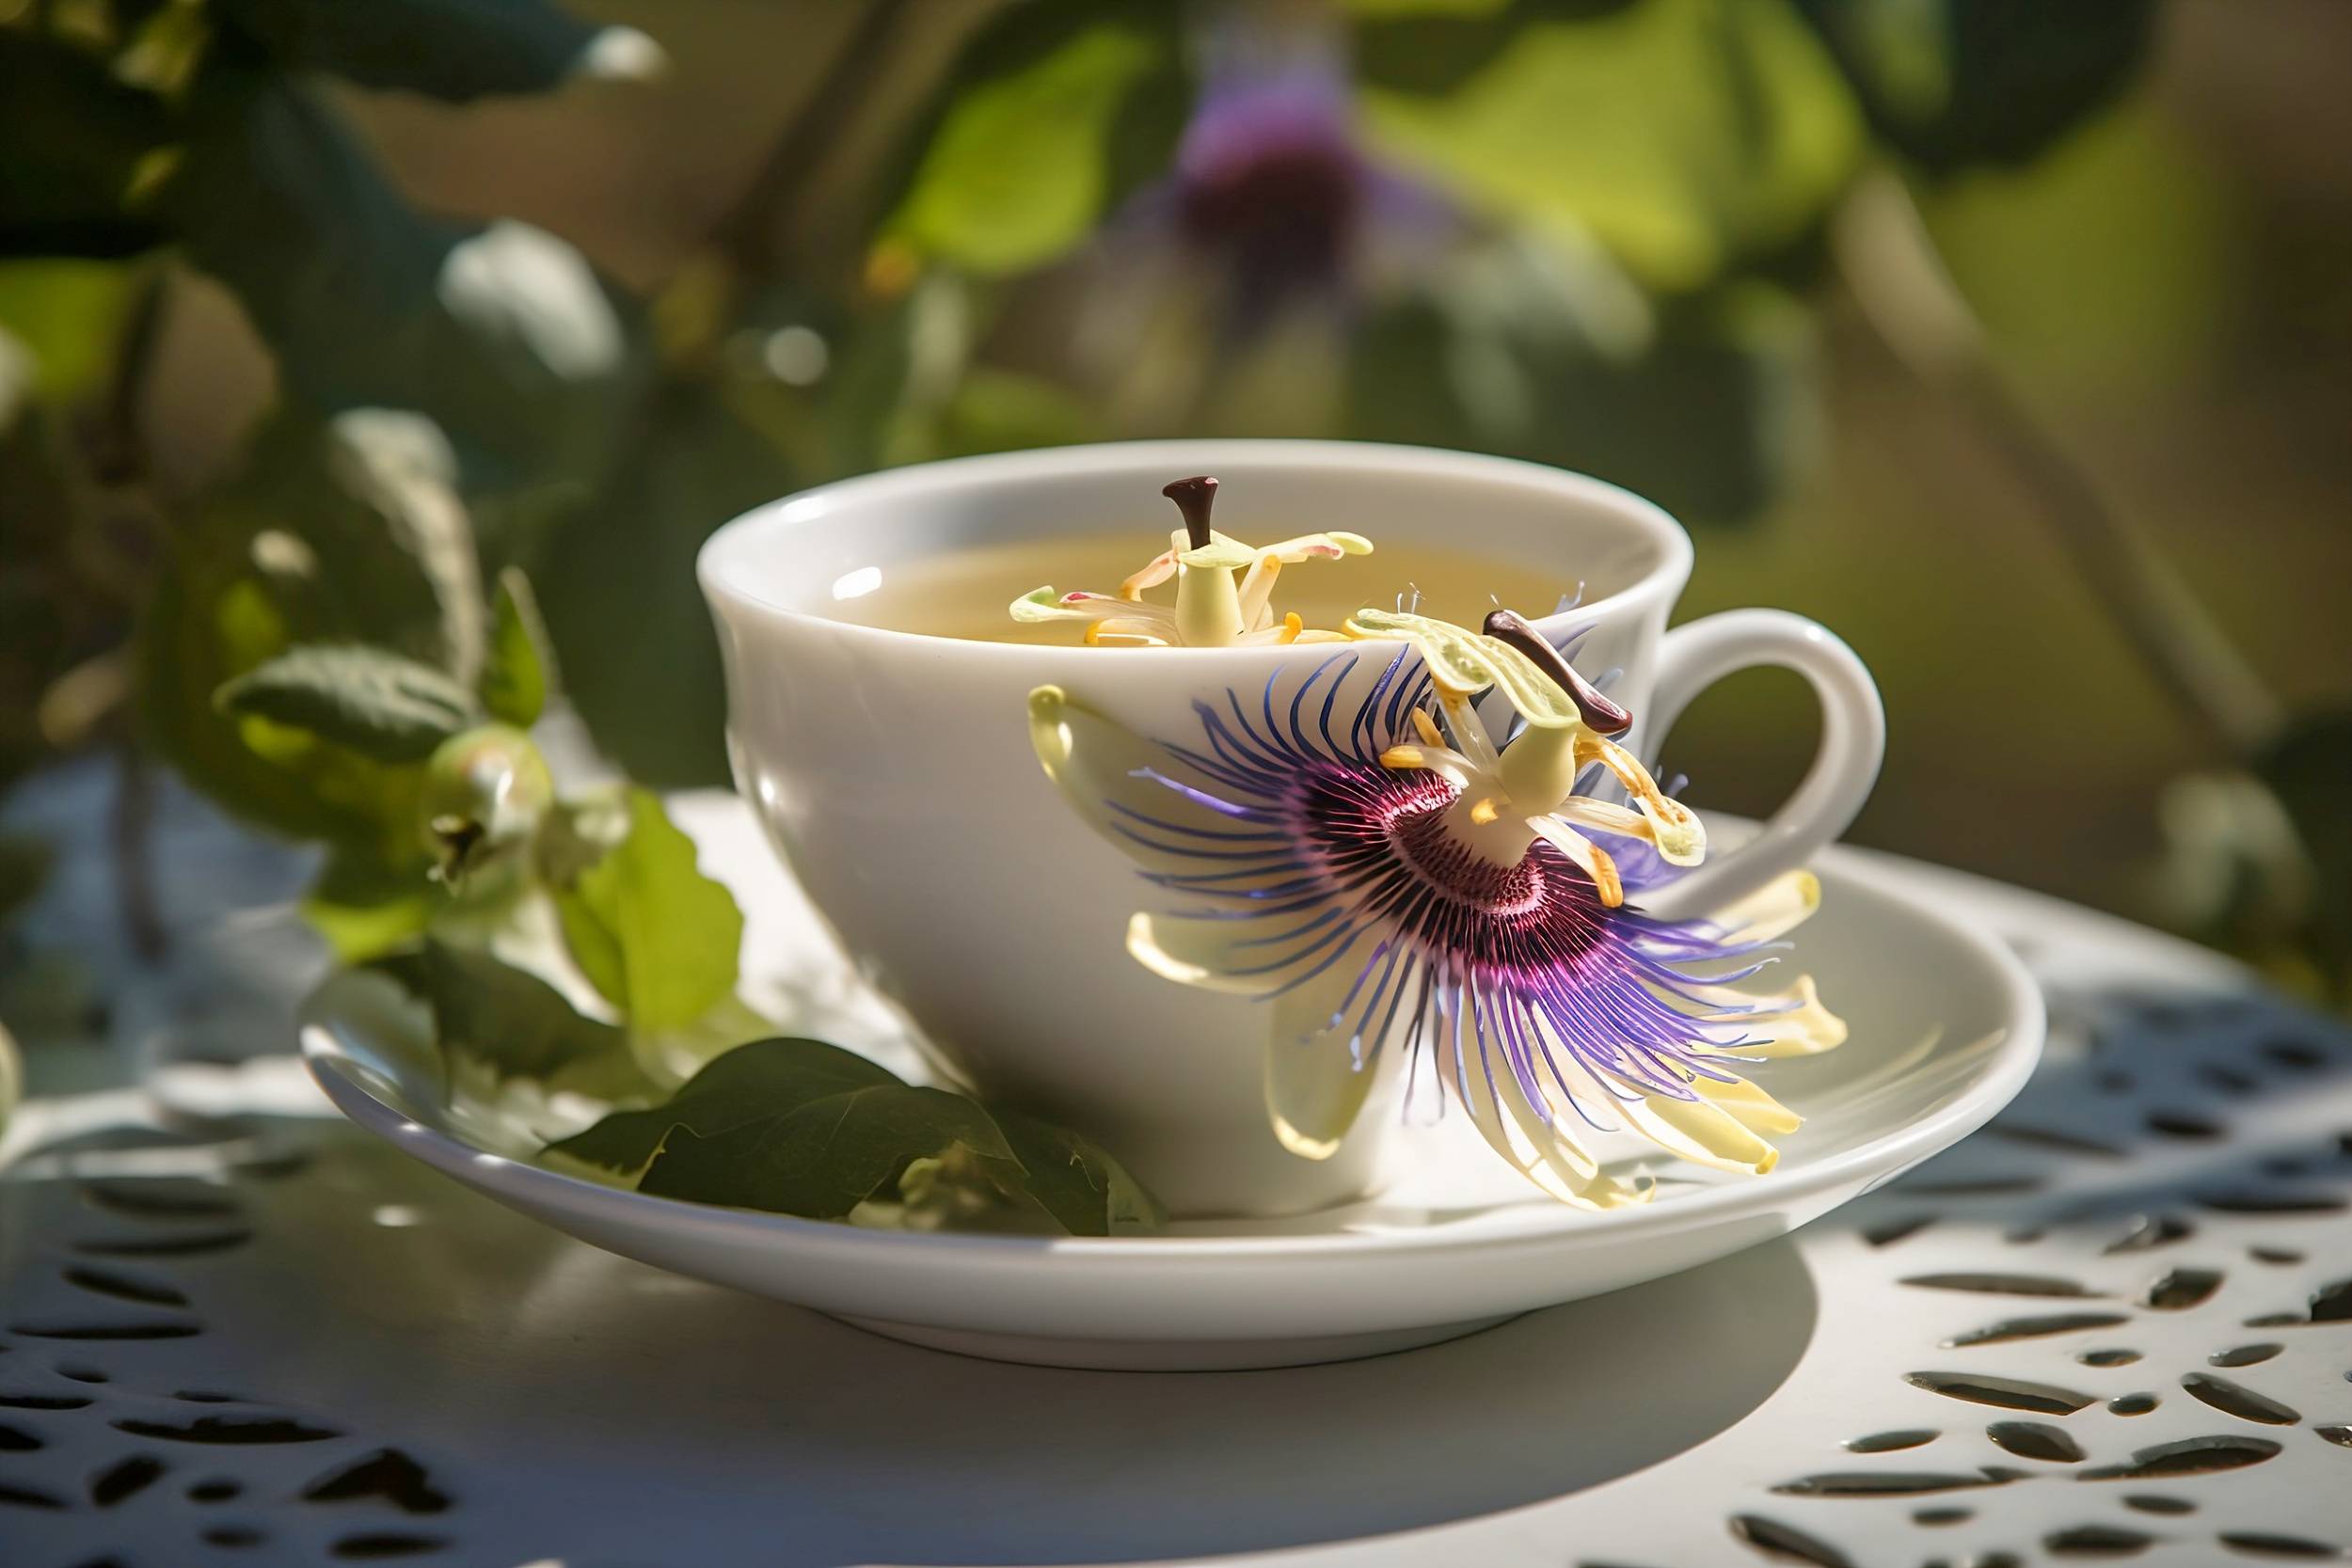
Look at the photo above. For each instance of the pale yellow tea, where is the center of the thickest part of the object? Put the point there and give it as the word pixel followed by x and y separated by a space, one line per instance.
pixel 965 594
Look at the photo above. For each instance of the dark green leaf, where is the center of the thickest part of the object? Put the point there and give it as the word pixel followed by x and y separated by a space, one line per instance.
pixel 1069 1176
pixel 1710 420
pixel 799 1127
pixel 512 1020
pixel 657 938
pixel 1956 83
pixel 1685 136
pixel 77 144
pixel 1054 112
pixel 616 580
pixel 454 49
pixel 2309 769
pixel 378 704
pixel 504 331
pixel 515 673
pixel 753 1082
pixel 1435 45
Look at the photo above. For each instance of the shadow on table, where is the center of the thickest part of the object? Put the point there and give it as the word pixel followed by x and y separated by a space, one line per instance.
pixel 822 1445
pixel 592 1410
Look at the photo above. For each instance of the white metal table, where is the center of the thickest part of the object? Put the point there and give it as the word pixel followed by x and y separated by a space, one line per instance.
pixel 2118 1323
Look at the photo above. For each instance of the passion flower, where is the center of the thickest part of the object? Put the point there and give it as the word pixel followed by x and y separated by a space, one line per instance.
pixel 1387 877
pixel 1211 610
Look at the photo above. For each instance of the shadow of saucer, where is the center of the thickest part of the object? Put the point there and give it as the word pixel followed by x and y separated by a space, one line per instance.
pixel 636 1417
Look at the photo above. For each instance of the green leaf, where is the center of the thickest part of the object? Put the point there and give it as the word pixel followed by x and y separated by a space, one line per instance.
pixel 1957 83
pixel 616 580
pixel 227 600
pixel 503 331
pixel 76 149
pixel 659 939
pixel 756 1081
pixel 366 906
pixel 65 313
pixel 512 1020
pixel 454 49
pixel 378 704
pixel 1054 112
pixel 1685 137
pixel 798 1127
pixel 514 676
pixel 1071 1177
pixel 1712 418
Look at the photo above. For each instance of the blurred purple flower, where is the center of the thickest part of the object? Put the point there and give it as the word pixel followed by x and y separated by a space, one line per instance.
pixel 1274 197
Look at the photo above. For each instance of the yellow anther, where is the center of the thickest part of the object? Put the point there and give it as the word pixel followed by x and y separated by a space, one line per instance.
pixel 1403 756
pixel 1484 812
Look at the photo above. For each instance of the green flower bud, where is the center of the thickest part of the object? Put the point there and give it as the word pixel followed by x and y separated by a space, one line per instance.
pixel 485 793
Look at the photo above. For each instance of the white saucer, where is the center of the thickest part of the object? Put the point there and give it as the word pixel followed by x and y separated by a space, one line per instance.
pixel 1946 1028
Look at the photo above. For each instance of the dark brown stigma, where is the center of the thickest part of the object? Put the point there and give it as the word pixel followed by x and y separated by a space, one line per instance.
pixel 1601 714
pixel 1193 497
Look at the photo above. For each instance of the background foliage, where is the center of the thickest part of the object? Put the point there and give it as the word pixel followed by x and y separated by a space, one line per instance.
pixel 315 317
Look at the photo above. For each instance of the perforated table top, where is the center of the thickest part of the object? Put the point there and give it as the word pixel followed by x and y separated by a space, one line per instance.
pixel 2117 1324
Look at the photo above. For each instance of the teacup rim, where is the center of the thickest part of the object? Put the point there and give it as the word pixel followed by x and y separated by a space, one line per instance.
pixel 717 567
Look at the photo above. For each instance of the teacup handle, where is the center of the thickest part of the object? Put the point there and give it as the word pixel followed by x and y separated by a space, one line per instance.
pixel 1692 657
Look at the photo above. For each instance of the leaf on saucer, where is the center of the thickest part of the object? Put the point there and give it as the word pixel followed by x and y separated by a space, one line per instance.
pixel 511 1020
pixel 1071 1177
pixel 376 703
pixel 799 1127
pixel 516 671
pixel 655 937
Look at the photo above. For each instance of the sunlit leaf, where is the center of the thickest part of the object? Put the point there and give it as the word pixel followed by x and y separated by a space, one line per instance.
pixel 366 906
pixel 378 704
pixel 1052 112
pixel 516 673
pixel 214 614
pixel 656 938
pixel 64 313
pixel 1685 136
pixel 454 50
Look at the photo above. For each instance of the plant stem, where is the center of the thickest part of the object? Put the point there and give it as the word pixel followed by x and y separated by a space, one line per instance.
pixel 747 234
pixel 1899 281
pixel 131 839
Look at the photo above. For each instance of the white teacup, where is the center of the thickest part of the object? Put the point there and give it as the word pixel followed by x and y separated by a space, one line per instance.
pixel 895 772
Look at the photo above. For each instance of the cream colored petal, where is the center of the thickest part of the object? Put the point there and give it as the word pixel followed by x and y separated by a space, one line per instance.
pixel 1755 1110
pixel 1214 955
pixel 1797 1025
pixel 1551 1157
pixel 1099 763
pixel 1315 1085
pixel 1702 1133
pixel 1785 902
pixel 1156 571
